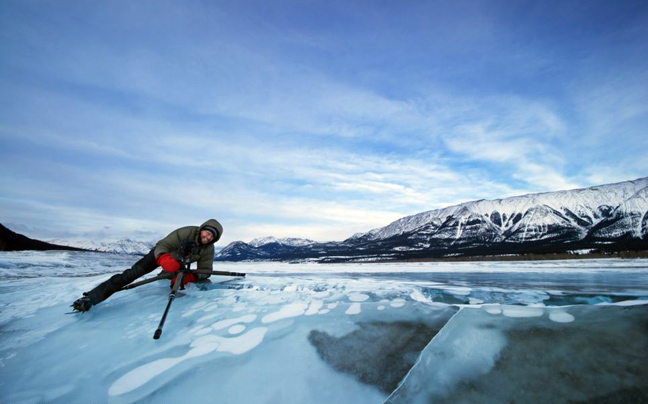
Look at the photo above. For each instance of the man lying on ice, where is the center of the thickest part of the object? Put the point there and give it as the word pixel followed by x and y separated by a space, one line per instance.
pixel 165 254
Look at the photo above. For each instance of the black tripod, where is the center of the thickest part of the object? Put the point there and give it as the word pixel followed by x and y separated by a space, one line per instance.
pixel 185 252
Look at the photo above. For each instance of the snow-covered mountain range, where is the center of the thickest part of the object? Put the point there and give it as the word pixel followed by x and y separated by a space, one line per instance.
pixel 608 217
pixel 262 248
pixel 123 246
pixel 285 241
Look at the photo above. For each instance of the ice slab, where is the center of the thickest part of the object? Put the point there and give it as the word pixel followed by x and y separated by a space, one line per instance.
pixel 578 354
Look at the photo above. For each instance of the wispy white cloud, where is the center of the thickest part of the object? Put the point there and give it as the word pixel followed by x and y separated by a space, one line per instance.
pixel 519 137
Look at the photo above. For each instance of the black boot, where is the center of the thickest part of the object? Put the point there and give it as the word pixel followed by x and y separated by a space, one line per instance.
pixel 83 304
pixel 104 290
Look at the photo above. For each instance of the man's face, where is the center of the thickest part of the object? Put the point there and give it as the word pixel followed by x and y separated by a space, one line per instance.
pixel 206 237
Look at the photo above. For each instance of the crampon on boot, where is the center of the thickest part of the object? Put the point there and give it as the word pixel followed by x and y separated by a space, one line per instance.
pixel 83 304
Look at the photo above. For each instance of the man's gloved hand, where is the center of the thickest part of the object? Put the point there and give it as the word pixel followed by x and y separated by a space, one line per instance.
pixel 167 263
pixel 188 277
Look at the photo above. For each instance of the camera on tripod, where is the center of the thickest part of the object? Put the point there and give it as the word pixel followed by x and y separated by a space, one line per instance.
pixel 186 250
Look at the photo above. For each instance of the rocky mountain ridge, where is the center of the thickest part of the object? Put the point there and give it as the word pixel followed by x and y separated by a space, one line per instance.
pixel 12 241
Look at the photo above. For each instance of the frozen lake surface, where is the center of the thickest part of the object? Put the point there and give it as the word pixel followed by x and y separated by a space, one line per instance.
pixel 489 332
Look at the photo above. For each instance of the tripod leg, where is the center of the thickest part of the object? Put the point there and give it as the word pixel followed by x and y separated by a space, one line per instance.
pixel 165 275
pixel 172 296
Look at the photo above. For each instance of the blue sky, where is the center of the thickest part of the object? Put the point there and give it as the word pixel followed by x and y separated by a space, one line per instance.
pixel 314 119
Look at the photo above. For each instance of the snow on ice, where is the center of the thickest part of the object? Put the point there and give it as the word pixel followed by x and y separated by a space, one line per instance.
pixel 533 332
